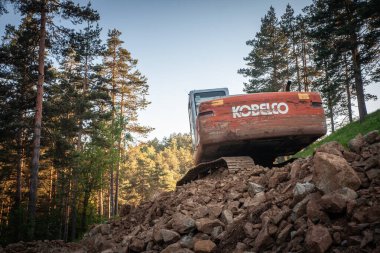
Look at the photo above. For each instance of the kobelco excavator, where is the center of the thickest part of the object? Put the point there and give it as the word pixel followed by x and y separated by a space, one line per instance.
pixel 237 131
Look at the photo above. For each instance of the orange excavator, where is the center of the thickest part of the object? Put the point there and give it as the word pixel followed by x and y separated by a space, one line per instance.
pixel 236 131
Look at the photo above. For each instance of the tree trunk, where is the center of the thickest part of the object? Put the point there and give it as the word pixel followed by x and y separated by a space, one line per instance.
pixel 20 167
pixel 297 66
pixel 74 208
pixel 359 83
pixel 331 113
pixel 348 90
pixel 356 61
pixel 84 212
pixel 37 128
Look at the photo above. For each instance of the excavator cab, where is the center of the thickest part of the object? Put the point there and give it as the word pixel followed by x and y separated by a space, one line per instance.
pixel 195 99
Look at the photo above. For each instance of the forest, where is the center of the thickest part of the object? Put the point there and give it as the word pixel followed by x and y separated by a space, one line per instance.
pixel 70 148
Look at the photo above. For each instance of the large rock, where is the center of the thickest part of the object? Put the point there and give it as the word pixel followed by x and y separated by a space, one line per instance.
pixel 182 223
pixel 318 239
pixel 332 147
pixel 169 236
pixel 137 244
pixel 372 137
pixel 357 143
pixel 206 225
pixel 332 172
pixel 176 248
pixel 204 246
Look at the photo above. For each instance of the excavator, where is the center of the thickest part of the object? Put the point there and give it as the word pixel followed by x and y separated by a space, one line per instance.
pixel 239 131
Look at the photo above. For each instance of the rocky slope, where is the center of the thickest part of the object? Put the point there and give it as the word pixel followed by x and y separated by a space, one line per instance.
pixel 326 203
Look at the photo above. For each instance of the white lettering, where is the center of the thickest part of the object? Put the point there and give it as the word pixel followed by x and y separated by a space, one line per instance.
pixel 259 109
pixel 283 111
pixel 274 107
pixel 236 112
pixel 255 110
pixel 247 110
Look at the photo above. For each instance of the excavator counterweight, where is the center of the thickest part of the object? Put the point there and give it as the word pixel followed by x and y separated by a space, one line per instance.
pixel 262 126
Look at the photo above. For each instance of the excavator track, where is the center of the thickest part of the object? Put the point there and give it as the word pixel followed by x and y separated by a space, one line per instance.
pixel 203 169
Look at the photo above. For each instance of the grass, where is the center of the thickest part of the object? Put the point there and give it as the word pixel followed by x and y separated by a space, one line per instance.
pixel 346 133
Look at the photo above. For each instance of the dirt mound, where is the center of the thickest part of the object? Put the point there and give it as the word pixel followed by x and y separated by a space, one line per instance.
pixel 326 203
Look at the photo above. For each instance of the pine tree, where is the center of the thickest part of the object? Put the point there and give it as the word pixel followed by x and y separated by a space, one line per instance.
pixel 267 63
pixel 343 22
pixel 18 63
pixel 45 10
pixel 128 89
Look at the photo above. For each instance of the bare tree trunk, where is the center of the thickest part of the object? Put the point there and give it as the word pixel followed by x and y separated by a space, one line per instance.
pixel 37 128
pixel 356 63
pixel 297 66
pixel 348 90
pixel 84 212
pixel 20 167
pixel 74 208
pixel 304 63
pixel 359 83
pixel 101 208
pixel 67 216
pixel 331 113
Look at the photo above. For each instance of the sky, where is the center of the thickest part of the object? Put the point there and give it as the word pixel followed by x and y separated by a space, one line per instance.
pixel 183 45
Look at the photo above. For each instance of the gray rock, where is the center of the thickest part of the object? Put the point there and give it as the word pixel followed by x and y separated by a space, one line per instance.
pixel 371 137
pixel 182 223
pixel 254 188
pixel 169 236
pixel 357 143
pixel 302 189
pixel 333 172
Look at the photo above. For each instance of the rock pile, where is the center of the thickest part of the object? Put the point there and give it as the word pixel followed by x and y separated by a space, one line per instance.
pixel 329 202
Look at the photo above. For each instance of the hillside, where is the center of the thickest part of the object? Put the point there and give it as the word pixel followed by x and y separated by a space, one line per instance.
pixel 346 133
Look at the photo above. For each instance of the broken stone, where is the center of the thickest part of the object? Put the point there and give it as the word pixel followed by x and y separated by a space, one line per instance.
pixel 249 230
pixel 318 239
pixel 371 137
pixel 206 225
pixel 357 143
pixel 263 238
pixel 295 169
pixel 137 244
pixel 176 248
pixel 216 231
pixel 283 214
pixel 256 200
pixel 284 233
pixel 254 188
pixel 169 236
pixel 182 223
pixel 333 172
pixel 214 210
pixel 300 208
pixel 301 189
pixel 204 246
pixel 372 174
pixel 201 212
pixel 332 147
pixel 333 203
pixel 227 217
pixel 277 178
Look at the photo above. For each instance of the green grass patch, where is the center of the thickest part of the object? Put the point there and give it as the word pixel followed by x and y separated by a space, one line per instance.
pixel 346 133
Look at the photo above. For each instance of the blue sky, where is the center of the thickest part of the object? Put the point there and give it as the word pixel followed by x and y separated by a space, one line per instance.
pixel 183 45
